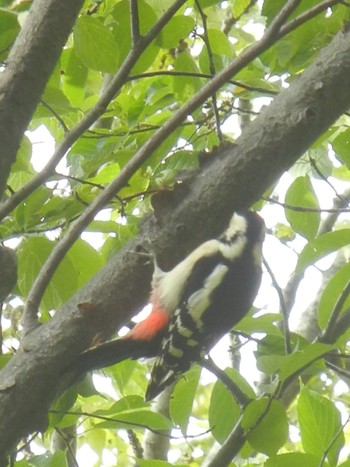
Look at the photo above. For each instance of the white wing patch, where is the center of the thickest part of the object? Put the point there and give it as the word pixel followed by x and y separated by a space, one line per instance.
pixel 170 286
pixel 199 302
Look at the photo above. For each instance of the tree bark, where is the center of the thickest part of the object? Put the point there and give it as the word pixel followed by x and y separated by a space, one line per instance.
pixel 28 68
pixel 235 178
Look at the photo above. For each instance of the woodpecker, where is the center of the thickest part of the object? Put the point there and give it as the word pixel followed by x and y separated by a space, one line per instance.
pixel 193 305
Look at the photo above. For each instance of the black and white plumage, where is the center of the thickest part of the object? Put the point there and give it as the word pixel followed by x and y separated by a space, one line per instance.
pixel 215 287
pixel 193 305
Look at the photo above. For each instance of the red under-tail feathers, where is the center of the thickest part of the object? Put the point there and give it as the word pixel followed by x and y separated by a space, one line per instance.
pixel 143 341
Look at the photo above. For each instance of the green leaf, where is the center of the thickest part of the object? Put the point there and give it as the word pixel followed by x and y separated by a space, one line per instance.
pixel 23 157
pixel 320 425
pixel 264 323
pixel 270 364
pixel 177 28
pixel 224 412
pixel 219 43
pixel 207 3
pixel 32 254
pixel 9 28
pixel 301 193
pixel 49 460
pixel 185 86
pixel 122 34
pixel 95 45
pixel 4 359
pixel 204 62
pixel 86 260
pixel 272 357
pixel 322 246
pixel 28 214
pixel 298 360
pixel 238 7
pixel 126 403
pixel 157 463
pixel 271 8
pixel 103 227
pixel 57 101
pixel 74 76
pixel 267 425
pixel 88 154
pixel 64 404
pixel 331 294
pixel 341 146
pixel 140 418
pixel 293 459
pixel 106 174
pixel 183 396
pixel 18 179
pixel 129 376
pixel 241 382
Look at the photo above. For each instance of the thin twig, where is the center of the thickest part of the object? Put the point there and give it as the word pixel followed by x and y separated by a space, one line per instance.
pixel 339 371
pixel 125 422
pixel 135 23
pixel 328 223
pixel 325 179
pixel 67 439
pixel 56 115
pixel 186 74
pixel 75 229
pixel 306 16
pixel 211 66
pixel 284 309
pixel 337 310
pixel 340 327
pixel 304 208
pixel 79 180
pixel 234 389
pixel 135 444
pixel 331 444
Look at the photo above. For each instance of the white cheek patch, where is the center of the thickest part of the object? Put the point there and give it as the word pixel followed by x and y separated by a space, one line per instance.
pixel 233 250
pixel 238 224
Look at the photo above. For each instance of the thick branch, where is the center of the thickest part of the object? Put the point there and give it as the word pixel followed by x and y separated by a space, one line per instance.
pixel 29 66
pixel 270 144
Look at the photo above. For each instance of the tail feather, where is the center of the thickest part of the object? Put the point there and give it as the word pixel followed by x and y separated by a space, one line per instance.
pixel 160 380
pixel 115 351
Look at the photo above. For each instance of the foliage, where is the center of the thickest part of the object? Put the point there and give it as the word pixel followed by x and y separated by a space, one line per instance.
pixel 200 39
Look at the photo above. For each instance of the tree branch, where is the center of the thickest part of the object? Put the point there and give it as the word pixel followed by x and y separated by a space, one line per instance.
pixel 183 219
pixel 135 23
pixel 28 68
